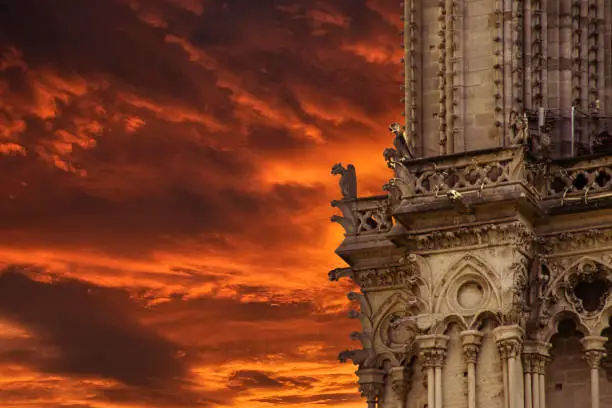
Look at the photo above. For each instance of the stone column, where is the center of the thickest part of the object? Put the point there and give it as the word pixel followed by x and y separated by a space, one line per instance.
pixel 432 351
pixel 400 382
pixel 528 370
pixel 471 340
pixel 594 351
pixel 371 385
pixel 509 341
pixel 535 357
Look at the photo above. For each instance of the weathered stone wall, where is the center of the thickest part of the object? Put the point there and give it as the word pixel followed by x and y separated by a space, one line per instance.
pixel 489 385
pixel 455 375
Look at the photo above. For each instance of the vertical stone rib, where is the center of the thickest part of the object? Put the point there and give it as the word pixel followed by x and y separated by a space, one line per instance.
pixel 537 54
pixel 459 78
pixel 594 57
pixel 565 45
pixel 576 65
pixel 605 18
pixel 443 129
pixel 576 53
pixel 543 57
pixel 528 53
pixel 413 69
pixel 517 55
pixel 450 73
pixel 409 74
pixel 509 64
pixel 498 71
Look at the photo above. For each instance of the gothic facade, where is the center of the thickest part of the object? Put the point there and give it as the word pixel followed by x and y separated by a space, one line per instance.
pixel 485 271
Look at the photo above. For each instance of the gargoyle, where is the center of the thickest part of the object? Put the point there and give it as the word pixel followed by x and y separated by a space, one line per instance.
pixel 404 180
pixel 360 357
pixel 348 180
pixel 338 273
pixel 519 126
pixel 348 224
pixel 400 141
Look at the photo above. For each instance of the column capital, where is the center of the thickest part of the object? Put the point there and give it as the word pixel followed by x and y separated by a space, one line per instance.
pixel 471 340
pixel 594 350
pixel 432 349
pixel 509 340
pixel 535 356
pixel 400 380
pixel 371 383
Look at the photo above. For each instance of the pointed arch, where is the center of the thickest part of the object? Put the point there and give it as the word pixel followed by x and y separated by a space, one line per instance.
pixel 469 268
pixel 577 264
pixel 402 298
pixel 440 327
pixel 385 356
pixel 553 327
pixel 484 315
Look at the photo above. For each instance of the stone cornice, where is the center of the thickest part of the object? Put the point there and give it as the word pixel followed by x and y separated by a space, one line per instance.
pixel 483 235
pixel 404 274
pixel 575 242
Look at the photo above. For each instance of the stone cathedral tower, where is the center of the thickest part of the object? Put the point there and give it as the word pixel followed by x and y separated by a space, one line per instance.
pixel 485 272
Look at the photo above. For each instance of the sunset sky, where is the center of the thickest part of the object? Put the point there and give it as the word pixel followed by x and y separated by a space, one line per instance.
pixel 164 204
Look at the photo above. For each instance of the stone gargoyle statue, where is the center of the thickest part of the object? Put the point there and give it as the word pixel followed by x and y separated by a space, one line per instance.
pixel 404 180
pixel 348 180
pixel 348 188
pixel 400 141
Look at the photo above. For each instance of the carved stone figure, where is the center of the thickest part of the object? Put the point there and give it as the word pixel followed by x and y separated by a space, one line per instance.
pixel 400 140
pixel 519 126
pixel 348 180
pixel 403 180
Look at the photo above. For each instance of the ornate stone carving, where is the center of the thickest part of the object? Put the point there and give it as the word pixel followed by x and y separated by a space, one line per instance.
pixel 509 340
pixel 471 341
pixel 586 178
pixel 433 357
pixel 400 141
pixel 387 276
pixel 593 358
pixel 539 364
pixel 432 350
pixel 371 215
pixel 509 348
pixel 371 391
pixel 567 242
pixel 591 277
pixel 361 357
pixel 519 127
pixel 371 384
pixel 529 363
pixel 514 233
pixel 398 338
pixel 400 380
pixel 348 180
pixel 594 350
pixel 518 312
pixel 338 273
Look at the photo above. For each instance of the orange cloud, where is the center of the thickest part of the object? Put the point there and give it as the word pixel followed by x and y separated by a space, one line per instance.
pixel 165 235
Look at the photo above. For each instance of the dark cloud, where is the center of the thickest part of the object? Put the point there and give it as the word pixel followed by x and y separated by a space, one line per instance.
pixel 89 331
pixel 252 379
pixel 312 399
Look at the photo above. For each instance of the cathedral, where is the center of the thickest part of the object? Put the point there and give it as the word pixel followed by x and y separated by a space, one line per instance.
pixel 485 270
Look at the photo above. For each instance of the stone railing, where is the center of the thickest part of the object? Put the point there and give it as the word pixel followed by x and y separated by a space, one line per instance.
pixel 430 176
pixel 361 216
pixel 580 178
